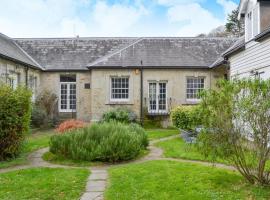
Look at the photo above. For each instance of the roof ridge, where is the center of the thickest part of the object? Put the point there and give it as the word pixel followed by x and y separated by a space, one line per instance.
pixel 113 53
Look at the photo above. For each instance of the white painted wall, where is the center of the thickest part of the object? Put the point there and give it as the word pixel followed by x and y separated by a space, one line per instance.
pixel 255 57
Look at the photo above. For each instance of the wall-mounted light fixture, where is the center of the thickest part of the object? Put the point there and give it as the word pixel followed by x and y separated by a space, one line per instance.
pixel 137 71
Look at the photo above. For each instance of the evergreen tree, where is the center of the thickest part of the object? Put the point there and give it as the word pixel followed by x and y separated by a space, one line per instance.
pixel 234 26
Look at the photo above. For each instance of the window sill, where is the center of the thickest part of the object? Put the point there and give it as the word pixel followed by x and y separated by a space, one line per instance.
pixel 119 103
pixel 192 101
pixel 67 111
pixel 158 113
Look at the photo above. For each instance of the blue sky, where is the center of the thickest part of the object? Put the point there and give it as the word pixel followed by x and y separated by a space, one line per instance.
pixel 68 18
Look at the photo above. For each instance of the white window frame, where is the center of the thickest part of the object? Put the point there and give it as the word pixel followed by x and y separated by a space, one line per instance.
pixel 33 85
pixel 194 99
pixel 157 110
pixel 111 94
pixel 68 96
pixel 13 80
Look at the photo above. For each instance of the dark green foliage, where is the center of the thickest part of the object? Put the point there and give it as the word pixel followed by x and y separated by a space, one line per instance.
pixel 186 117
pixel 15 112
pixel 234 26
pixel 121 114
pixel 109 142
pixel 38 117
pixel 43 114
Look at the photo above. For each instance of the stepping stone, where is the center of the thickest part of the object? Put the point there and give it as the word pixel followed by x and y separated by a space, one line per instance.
pixel 92 196
pixel 96 186
pixel 98 176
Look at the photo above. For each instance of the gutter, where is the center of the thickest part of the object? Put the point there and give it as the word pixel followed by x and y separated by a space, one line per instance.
pixel 149 67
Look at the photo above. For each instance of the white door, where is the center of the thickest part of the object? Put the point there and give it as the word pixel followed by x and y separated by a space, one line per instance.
pixel 157 97
pixel 68 97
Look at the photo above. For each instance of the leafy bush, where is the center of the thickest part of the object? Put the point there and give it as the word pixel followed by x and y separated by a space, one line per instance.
pixel 121 114
pixel 236 119
pixel 15 107
pixel 109 142
pixel 43 114
pixel 38 117
pixel 69 125
pixel 186 117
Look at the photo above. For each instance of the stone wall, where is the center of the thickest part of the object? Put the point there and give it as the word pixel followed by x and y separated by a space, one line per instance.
pixel 176 87
pixel 93 102
pixel 51 81
pixel 10 68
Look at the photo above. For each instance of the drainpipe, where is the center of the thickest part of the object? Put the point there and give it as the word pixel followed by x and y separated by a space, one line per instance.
pixel 26 76
pixel 141 112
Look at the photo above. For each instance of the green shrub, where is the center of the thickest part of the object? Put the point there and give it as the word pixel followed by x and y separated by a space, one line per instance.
pixel 121 114
pixel 186 117
pixel 38 117
pixel 109 142
pixel 15 112
pixel 44 110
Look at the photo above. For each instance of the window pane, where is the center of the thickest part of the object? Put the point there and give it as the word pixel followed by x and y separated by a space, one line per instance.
pixel 194 86
pixel 67 78
pixel 120 88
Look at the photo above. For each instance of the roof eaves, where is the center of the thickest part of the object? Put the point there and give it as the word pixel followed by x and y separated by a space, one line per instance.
pixel 148 67
pixel 234 50
pixel 19 61
pixel 263 35
pixel 66 70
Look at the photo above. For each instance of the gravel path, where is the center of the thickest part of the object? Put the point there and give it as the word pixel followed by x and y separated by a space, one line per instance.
pixel 96 183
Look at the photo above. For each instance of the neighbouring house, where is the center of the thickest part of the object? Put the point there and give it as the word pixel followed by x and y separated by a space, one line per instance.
pixel 250 55
pixel 92 75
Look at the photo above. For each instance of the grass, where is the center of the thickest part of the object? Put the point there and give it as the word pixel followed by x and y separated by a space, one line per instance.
pixel 154 134
pixel 43 183
pixel 33 142
pixel 56 159
pixel 177 148
pixel 157 180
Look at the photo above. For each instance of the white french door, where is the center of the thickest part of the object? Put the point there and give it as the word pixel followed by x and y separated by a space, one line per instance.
pixel 67 97
pixel 157 97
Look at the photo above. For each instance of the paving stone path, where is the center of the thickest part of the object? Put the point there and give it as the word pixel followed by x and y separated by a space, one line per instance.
pixel 96 183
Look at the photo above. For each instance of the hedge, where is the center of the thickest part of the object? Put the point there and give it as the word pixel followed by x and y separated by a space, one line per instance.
pixel 15 113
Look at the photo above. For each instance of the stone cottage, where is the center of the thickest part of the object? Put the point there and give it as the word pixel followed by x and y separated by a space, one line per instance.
pixel 92 75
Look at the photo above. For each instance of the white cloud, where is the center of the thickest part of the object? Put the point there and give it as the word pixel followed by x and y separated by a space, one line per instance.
pixel 197 19
pixel 176 2
pixel 115 19
pixel 65 18
pixel 228 6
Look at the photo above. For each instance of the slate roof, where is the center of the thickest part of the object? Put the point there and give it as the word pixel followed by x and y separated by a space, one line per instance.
pixel 11 51
pixel 57 54
pixel 166 53
pixel 61 54
pixel 238 45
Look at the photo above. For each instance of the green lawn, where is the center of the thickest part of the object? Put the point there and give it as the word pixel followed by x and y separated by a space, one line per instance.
pixel 156 180
pixel 161 133
pixel 43 183
pixel 34 141
pixel 50 157
pixel 177 148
